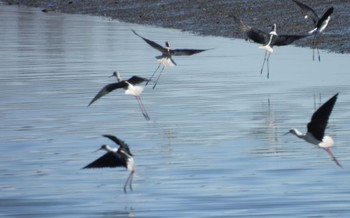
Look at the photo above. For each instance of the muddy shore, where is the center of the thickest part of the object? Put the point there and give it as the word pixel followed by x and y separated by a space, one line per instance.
pixel 214 17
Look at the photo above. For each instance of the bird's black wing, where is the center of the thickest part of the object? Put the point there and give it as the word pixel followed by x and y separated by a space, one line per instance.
pixel 151 43
pixel 324 17
pixel 180 52
pixel 119 142
pixel 307 11
pixel 110 159
pixel 252 33
pixel 137 80
pixel 107 89
pixel 319 119
pixel 281 40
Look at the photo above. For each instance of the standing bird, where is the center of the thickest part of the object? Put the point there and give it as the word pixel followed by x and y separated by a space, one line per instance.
pixel 130 89
pixel 116 157
pixel 268 40
pixel 320 24
pixel 316 128
pixel 165 58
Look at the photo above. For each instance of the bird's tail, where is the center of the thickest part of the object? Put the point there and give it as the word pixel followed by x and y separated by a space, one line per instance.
pixel 267 48
pixel 137 90
pixel 166 61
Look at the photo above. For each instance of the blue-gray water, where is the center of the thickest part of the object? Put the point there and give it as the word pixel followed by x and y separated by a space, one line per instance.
pixel 214 146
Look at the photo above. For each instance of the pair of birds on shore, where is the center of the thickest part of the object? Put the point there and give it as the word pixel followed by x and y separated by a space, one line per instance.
pixel 268 40
pixel 122 157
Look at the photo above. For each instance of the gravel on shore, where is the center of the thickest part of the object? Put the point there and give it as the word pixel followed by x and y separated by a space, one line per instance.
pixel 214 17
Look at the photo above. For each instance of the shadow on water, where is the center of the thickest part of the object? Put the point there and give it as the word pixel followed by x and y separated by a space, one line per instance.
pixel 214 145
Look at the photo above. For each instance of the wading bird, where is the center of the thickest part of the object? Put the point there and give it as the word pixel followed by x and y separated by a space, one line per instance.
pixel 320 24
pixel 316 128
pixel 268 40
pixel 130 87
pixel 165 58
pixel 116 157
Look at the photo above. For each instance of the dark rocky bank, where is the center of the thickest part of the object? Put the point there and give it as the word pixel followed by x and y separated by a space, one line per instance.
pixel 214 17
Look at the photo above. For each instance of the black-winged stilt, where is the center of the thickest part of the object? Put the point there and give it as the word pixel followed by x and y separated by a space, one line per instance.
pixel 320 24
pixel 116 157
pixel 316 128
pixel 165 58
pixel 130 87
pixel 268 40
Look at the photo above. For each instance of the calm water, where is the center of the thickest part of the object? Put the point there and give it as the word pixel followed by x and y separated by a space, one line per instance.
pixel 214 146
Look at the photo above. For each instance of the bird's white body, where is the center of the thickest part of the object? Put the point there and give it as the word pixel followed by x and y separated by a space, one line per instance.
pixel 166 61
pixel 134 90
pixel 326 142
pixel 131 163
pixel 267 48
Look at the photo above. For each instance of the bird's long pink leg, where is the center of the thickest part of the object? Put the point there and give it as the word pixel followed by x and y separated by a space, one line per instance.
pixel 129 181
pixel 318 51
pixel 267 64
pixel 155 84
pixel 142 107
pixel 153 74
pixel 315 42
pixel 329 151
pixel 262 68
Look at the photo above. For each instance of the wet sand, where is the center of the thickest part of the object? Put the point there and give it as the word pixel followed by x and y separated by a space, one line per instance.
pixel 214 17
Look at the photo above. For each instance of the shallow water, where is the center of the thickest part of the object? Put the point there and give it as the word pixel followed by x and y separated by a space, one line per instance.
pixel 214 146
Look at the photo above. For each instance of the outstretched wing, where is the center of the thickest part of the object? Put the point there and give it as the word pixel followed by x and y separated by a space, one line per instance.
pixel 119 142
pixel 252 33
pixel 281 40
pixel 110 159
pixel 307 11
pixel 324 17
pixel 181 52
pixel 137 80
pixel 319 119
pixel 107 89
pixel 151 43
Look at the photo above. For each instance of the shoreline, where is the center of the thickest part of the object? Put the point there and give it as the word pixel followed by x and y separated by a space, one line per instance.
pixel 214 17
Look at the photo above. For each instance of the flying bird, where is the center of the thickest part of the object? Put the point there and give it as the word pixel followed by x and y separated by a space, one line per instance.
pixel 116 157
pixel 320 24
pixel 131 88
pixel 316 128
pixel 165 58
pixel 267 40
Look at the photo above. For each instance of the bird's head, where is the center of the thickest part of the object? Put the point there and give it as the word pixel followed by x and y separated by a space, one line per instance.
pixel 273 30
pixel 291 131
pixel 114 74
pixel 117 75
pixel 167 45
pixel 103 147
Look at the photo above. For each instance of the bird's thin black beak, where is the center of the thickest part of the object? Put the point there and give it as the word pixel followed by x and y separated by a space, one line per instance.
pixel 286 133
pixel 97 150
pixel 113 74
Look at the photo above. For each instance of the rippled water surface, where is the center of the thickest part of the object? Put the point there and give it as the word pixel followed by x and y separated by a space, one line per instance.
pixel 214 146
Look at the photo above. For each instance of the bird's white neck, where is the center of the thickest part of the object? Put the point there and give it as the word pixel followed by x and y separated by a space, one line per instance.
pixel 297 133
pixel 108 148
pixel 119 78
pixel 308 137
